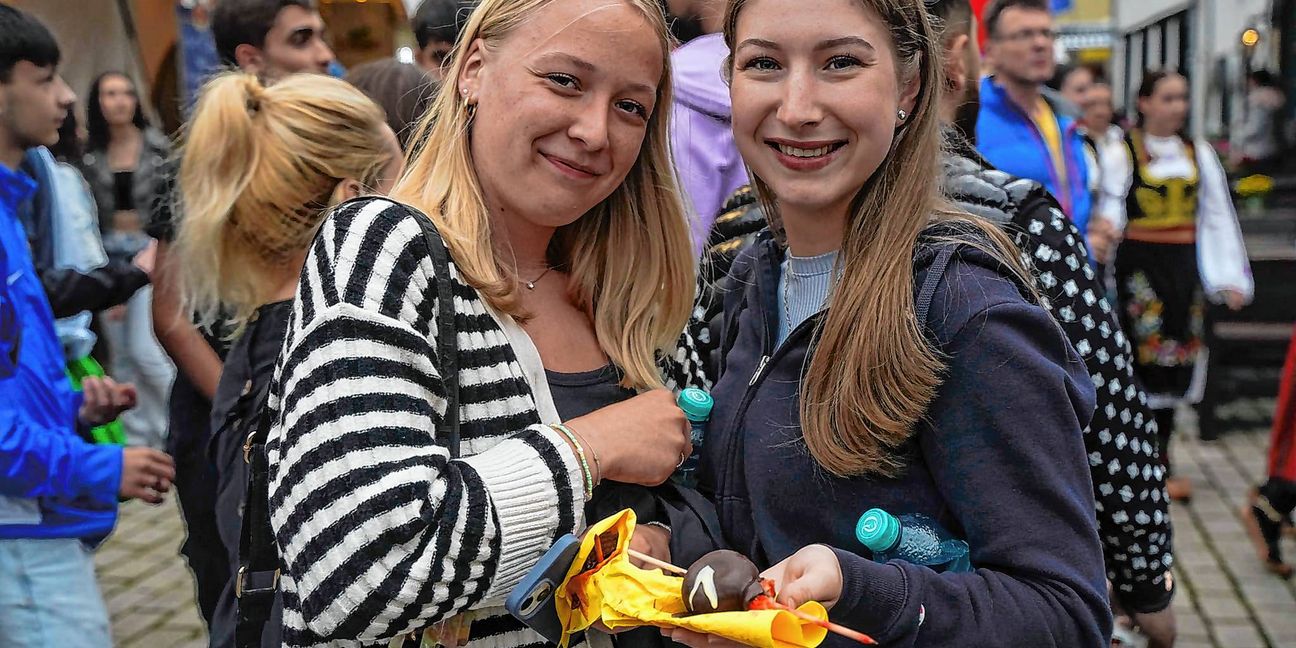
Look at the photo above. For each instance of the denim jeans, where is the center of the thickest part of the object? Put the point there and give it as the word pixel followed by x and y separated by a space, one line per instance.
pixel 48 595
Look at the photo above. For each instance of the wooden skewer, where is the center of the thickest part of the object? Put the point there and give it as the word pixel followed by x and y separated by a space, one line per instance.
pixel 659 564
pixel 804 616
pixel 829 625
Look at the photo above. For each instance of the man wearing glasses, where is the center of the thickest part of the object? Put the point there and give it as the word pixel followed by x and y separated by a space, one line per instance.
pixel 1019 130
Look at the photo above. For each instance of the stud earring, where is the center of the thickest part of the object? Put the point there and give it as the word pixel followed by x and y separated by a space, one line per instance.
pixel 902 115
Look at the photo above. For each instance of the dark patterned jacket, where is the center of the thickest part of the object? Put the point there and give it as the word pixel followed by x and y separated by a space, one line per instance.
pixel 1128 480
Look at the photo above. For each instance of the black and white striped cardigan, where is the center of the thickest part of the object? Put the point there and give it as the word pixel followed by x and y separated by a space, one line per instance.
pixel 379 531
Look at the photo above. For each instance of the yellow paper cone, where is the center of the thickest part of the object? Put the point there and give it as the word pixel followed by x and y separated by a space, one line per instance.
pixel 602 585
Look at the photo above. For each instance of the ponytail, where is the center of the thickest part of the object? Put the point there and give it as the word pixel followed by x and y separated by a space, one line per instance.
pixel 258 170
pixel 220 155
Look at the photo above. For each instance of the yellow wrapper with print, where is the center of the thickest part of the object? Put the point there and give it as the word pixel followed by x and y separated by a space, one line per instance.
pixel 602 585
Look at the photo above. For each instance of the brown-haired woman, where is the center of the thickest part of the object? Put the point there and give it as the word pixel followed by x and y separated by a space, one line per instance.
pixel 883 351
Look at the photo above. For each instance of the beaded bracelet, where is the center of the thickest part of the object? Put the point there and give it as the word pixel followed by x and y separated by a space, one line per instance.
pixel 598 465
pixel 572 438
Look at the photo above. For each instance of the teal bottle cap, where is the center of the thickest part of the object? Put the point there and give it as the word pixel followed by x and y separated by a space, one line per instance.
pixel 877 530
pixel 696 404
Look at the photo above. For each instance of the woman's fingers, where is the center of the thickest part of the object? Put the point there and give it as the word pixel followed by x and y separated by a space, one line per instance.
pixel 698 640
pixel 811 574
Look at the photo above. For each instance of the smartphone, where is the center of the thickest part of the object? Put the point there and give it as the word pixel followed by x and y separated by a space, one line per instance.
pixel 532 602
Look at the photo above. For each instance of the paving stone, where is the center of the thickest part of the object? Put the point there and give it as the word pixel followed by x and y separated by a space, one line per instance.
pixel 1269 593
pixel 1278 625
pixel 134 624
pixel 146 585
pixel 1239 636
pixel 1214 579
pixel 162 637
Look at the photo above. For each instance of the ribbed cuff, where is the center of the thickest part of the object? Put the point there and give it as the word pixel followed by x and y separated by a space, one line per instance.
pixel 873 595
pixel 525 492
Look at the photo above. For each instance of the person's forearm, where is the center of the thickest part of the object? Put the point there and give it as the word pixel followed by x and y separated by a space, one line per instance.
pixel 193 356
pixel 70 291
pixel 183 342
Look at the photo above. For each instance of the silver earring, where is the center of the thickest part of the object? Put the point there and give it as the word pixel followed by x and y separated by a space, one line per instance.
pixel 902 115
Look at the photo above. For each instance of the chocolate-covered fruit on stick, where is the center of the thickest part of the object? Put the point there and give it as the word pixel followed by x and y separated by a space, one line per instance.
pixel 719 579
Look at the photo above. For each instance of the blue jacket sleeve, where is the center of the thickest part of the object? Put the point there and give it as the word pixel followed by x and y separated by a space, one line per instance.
pixel 10 327
pixel 1003 442
pixel 37 462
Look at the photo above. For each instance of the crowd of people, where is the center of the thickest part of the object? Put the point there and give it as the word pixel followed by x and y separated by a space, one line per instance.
pixel 387 337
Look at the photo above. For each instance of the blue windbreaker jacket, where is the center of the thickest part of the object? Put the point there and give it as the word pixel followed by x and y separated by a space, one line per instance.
pixel 52 483
pixel 1009 140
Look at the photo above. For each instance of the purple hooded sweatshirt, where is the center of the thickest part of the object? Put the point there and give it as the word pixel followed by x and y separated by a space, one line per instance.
pixel 706 158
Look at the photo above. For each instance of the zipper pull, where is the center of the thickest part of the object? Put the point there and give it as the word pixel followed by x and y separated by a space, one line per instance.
pixel 760 368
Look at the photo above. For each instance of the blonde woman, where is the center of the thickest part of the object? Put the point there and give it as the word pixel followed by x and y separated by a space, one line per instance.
pixel 260 166
pixel 544 166
pixel 890 355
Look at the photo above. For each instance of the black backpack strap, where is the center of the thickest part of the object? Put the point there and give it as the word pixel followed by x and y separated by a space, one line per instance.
pixel 257 580
pixel 447 332
pixel 934 274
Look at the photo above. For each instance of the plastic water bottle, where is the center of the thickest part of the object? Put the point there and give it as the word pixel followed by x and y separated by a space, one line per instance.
pixel 697 406
pixel 913 538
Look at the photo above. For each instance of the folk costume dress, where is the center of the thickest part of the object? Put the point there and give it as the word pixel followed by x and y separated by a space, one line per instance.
pixel 1182 247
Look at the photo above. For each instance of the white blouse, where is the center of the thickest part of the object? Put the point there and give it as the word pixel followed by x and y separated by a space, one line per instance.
pixel 1221 252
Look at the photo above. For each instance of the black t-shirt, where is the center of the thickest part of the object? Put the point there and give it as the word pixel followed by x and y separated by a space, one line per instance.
pixel 240 396
pixel 578 394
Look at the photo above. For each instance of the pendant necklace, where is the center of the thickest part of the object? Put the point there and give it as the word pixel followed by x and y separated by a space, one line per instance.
pixel 530 285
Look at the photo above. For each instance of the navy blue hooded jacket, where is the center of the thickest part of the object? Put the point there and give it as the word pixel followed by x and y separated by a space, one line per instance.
pixel 998 460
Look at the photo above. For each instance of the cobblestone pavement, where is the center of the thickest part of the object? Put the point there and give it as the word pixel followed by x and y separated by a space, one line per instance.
pixel 145 582
pixel 1225 599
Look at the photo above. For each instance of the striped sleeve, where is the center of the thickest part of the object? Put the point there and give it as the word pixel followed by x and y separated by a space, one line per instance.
pixel 379 530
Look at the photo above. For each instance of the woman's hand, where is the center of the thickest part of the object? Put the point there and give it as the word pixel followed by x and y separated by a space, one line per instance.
pixel 104 399
pixel 638 441
pixel 653 541
pixel 811 574
pixel 698 640
pixel 1103 239
pixel 1233 299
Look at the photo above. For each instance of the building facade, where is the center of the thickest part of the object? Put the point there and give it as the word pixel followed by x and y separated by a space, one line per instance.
pixel 1203 39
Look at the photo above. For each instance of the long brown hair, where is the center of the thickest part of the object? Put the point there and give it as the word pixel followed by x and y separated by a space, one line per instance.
pixel 873 374
pixel 630 258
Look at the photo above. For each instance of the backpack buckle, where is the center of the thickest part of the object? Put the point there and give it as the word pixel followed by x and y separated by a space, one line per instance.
pixel 241 587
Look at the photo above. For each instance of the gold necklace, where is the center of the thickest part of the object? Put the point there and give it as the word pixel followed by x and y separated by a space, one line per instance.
pixel 530 285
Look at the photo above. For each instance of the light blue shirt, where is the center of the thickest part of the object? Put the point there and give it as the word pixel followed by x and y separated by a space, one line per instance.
pixel 804 286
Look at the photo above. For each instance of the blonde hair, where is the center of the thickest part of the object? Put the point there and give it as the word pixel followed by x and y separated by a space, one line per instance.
pixel 259 166
pixel 863 393
pixel 629 259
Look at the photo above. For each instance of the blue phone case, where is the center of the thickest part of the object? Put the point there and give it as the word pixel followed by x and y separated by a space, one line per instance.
pixel 532 602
